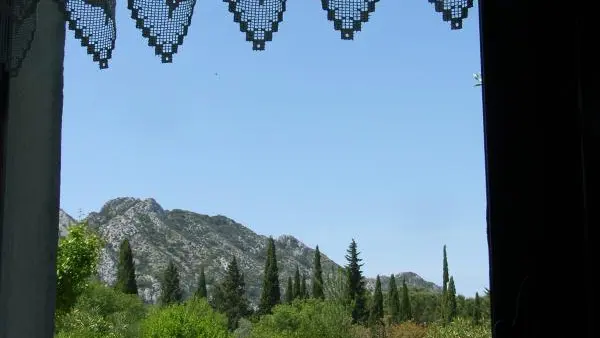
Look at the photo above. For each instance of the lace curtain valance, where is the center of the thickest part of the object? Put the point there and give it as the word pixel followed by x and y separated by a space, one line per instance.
pixel 165 23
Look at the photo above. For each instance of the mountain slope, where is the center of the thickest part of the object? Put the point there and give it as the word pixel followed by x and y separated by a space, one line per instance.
pixel 191 240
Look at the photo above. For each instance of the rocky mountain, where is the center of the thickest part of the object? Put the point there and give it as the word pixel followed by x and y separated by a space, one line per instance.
pixel 191 240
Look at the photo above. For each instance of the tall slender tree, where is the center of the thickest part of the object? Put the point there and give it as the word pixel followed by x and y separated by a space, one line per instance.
pixel 405 308
pixel 376 314
pixel 201 291
pixel 230 299
pixel 477 310
pixel 297 291
pixel 289 291
pixel 356 285
pixel 303 289
pixel 170 288
pixel 126 270
pixel 452 305
pixel 317 278
pixel 394 300
pixel 271 293
pixel 444 307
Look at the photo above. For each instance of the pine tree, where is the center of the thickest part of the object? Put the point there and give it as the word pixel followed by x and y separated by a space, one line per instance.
pixel 289 291
pixel 377 305
pixel 405 308
pixel 394 300
pixel 271 293
pixel 451 299
pixel 297 291
pixel 229 297
pixel 201 292
pixel 356 285
pixel 126 270
pixel 477 310
pixel 170 288
pixel 317 279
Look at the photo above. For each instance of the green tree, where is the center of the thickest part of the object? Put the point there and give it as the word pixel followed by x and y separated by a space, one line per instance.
pixel 303 289
pixel 311 318
pixel 477 310
pixel 231 295
pixel 444 307
pixel 201 290
pixel 76 261
pixel 102 311
pixel 192 319
pixel 271 293
pixel 405 308
pixel 452 306
pixel 289 291
pixel 394 300
pixel 126 270
pixel 335 285
pixel 356 285
pixel 170 287
pixel 377 305
pixel 317 278
pixel 297 291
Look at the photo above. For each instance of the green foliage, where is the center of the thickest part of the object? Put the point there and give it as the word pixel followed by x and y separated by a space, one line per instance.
pixel 335 286
pixel 310 318
pixel 393 301
pixel 451 300
pixel 230 296
pixel 193 319
pixel 271 293
pixel 477 310
pixel 303 289
pixel 377 304
pixel 296 286
pixel 76 261
pixel 101 311
pixel 170 288
pixel 405 308
pixel 126 270
pixel 289 291
pixel 317 278
pixel 356 285
pixel 444 310
pixel 201 290
pixel 459 328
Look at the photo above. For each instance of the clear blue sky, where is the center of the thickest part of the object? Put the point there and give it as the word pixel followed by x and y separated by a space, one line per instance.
pixel 378 139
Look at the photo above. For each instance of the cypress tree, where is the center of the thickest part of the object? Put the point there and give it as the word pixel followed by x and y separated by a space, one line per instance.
pixel 377 306
pixel 289 291
pixel 406 309
pixel 444 307
pixel 271 293
pixel 126 270
pixel 356 285
pixel 477 310
pixel 170 288
pixel 394 300
pixel 201 292
pixel 303 289
pixel 451 299
pixel 317 279
pixel 297 291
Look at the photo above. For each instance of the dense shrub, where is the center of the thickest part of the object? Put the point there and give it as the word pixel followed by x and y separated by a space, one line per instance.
pixel 407 330
pixel 193 319
pixel 305 319
pixel 460 328
pixel 101 311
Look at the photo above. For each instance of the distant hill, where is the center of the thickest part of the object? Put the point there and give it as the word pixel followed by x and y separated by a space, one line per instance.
pixel 191 240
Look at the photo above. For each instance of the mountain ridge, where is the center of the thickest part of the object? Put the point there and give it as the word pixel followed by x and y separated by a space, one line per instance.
pixel 192 239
